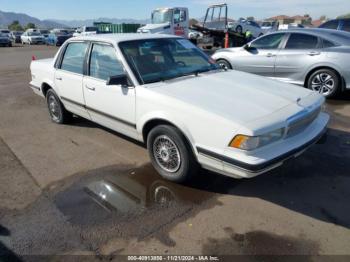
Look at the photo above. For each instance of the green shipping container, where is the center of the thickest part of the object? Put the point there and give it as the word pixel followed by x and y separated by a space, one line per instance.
pixel 107 28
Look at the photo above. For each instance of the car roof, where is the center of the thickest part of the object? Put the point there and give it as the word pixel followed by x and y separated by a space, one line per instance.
pixel 117 38
pixel 341 37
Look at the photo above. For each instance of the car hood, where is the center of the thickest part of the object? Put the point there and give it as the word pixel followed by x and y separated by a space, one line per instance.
pixel 234 95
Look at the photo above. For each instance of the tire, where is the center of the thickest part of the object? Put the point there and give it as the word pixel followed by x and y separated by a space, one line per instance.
pixel 325 81
pixel 224 64
pixel 239 29
pixel 10 44
pixel 183 165
pixel 57 112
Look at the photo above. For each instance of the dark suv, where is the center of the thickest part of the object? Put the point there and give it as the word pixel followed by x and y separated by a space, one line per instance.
pixel 337 24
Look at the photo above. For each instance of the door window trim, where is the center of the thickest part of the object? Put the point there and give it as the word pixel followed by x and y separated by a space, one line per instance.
pixel 88 60
pixel 281 44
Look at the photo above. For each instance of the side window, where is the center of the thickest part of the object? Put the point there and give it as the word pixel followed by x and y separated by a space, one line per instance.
pixel 104 62
pixel 346 25
pixel 268 42
pixel 74 56
pixel 333 24
pixel 179 16
pixel 302 41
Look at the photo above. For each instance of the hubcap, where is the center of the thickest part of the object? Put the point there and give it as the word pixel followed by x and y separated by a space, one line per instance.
pixel 323 83
pixel 223 65
pixel 166 154
pixel 54 108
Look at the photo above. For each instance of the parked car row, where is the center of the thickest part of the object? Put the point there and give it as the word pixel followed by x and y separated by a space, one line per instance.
pixel 34 36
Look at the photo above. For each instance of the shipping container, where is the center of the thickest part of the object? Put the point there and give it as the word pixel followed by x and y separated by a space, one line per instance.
pixel 109 28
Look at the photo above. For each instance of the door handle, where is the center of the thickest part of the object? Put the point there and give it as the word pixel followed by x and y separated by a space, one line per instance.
pixel 314 53
pixel 59 78
pixel 90 88
pixel 270 55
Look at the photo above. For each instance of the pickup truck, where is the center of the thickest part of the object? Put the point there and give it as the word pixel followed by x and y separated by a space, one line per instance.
pixel 164 91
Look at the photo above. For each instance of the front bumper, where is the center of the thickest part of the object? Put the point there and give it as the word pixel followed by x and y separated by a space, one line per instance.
pixel 265 160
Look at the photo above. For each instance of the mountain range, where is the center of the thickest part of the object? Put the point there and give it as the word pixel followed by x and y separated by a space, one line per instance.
pixel 7 18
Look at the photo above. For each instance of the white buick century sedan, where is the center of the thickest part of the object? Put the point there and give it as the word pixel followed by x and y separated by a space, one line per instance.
pixel 164 91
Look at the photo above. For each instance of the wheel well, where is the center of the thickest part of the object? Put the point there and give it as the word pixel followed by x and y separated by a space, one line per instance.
pixel 44 88
pixel 223 59
pixel 156 122
pixel 323 67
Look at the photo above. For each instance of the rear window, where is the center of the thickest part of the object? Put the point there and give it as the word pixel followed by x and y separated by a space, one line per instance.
pixel 326 43
pixel 330 25
pixel 74 56
pixel 346 25
pixel 302 41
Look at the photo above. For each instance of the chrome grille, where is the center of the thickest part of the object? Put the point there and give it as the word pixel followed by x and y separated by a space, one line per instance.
pixel 297 126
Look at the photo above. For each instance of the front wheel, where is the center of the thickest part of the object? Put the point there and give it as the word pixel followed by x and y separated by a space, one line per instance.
pixel 58 113
pixel 325 81
pixel 224 64
pixel 170 154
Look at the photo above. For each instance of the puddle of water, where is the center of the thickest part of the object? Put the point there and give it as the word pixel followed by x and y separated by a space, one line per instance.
pixel 123 194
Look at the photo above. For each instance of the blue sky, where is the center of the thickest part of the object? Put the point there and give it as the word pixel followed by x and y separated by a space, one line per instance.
pixel 141 9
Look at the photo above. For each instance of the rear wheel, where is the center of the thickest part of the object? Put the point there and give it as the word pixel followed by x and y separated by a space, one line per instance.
pixel 170 154
pixel 224 64
pixel 58 113
pixel 325 81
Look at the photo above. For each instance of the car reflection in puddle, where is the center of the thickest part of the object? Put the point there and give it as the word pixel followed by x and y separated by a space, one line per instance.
pixel 123 194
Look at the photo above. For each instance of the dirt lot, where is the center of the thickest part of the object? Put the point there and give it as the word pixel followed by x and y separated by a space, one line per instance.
pixel 53 179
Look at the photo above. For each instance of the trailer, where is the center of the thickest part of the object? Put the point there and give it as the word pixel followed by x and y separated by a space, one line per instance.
pixel 215 29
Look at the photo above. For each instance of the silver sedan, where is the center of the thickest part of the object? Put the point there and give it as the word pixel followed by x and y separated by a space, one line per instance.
pixel 318 59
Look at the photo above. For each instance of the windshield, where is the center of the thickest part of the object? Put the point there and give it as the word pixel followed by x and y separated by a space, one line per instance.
pixel 44 31
pixel 3 35
pixel 162 16
pixel 34 34
pixel 155 60
pixel 17 33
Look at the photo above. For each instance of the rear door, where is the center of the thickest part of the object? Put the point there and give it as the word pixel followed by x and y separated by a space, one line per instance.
pixel 69 77
pixel 300 52
pixel 112 106
pixel 261 56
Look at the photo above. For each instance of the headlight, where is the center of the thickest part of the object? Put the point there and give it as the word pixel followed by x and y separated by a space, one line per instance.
pixel 253 142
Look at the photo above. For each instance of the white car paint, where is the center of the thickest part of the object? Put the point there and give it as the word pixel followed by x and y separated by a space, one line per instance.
pixel 27 38
pixel 247 26
pixel 210 110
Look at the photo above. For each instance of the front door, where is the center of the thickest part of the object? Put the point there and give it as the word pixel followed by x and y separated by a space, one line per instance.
pixel 181 22
pixel 259 58
pixel 112 106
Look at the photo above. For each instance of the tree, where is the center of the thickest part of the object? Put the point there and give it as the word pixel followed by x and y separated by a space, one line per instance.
pixel 323 18
pixel 30 26
pixel 250 18
pixel 15 26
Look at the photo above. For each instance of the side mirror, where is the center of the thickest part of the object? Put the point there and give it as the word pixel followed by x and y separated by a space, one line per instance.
pixel 248 48
pixel 118 80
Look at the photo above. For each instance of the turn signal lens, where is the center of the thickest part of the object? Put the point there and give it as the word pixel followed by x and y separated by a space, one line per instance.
pixel 253 142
